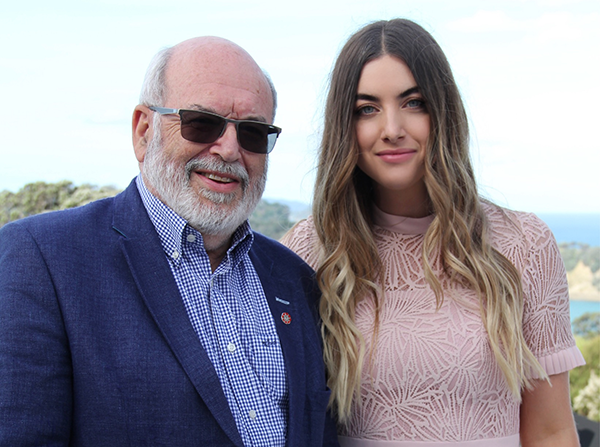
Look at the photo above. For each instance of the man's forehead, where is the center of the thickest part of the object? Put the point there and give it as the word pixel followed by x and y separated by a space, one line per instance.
pixel 214 72
pixel 214 60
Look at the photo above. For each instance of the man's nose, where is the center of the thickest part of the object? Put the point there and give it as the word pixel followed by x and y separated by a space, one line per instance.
pixel 227 145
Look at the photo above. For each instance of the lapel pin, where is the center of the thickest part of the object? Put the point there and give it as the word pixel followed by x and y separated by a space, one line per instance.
pixel 286 318
pixel 282 301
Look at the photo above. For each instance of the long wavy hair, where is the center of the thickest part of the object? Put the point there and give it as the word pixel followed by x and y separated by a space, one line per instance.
pixel 457 239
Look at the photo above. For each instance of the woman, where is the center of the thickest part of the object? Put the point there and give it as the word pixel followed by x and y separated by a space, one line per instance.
pixel 445 317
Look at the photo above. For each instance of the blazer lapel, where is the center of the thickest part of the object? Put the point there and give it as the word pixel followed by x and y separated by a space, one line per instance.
pixel 281 295
pixel 154 279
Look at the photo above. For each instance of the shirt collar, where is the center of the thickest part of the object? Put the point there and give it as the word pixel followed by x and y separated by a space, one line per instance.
pixel 172 229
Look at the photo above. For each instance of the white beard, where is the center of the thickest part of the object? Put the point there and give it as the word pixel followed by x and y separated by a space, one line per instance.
pixel 221 214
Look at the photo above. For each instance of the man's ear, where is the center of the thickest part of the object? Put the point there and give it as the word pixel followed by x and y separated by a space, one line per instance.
pixel 140 128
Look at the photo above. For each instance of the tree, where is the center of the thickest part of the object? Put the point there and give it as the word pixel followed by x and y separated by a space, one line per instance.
pixel 584 380
pixel 580 376
pixel 40 197
pixel 587 402
pixel 271 219
pixel 587 325
pixel 573 252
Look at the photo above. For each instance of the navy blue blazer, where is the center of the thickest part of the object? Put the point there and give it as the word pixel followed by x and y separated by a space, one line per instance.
pixel 96 347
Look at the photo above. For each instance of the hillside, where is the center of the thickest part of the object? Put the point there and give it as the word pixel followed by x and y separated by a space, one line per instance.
pixel 582 263
pixel 583 283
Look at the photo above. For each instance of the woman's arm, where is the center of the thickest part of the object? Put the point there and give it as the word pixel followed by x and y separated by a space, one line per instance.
pixel 546 415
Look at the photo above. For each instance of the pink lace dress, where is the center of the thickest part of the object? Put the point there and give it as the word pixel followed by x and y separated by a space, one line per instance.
pixel 433 379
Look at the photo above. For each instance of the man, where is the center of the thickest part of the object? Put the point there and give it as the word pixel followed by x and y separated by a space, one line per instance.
pixel 158 317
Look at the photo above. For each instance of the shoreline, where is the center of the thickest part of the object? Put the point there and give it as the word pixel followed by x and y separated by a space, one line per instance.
pixel 585 297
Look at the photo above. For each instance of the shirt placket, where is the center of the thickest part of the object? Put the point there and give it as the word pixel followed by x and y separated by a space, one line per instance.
pixel 232 355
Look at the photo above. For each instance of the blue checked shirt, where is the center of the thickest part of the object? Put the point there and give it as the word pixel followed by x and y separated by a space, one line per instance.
pixel 229 312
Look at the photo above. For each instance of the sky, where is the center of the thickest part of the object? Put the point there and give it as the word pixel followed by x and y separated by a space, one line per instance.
pixel 528 70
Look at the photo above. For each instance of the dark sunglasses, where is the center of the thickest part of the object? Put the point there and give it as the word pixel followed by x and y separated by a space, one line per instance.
pixel 206 127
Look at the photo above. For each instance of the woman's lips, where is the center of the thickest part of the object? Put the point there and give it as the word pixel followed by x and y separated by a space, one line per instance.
pixel 397 156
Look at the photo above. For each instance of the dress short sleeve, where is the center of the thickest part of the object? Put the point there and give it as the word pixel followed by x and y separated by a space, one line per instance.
pixel 546 318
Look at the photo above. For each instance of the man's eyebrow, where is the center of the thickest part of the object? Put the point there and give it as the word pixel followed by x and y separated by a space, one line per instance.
pixel 200 108
pixel 404 94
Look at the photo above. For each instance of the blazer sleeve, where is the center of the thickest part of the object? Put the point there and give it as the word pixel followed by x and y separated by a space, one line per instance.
pixel 35 366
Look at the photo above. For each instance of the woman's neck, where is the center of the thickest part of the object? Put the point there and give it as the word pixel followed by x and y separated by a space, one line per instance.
pixel 414 203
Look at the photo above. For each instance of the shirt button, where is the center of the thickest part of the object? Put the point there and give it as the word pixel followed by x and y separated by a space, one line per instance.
pixel 252 414
pixel 231 347
pixel 175 254
pixel 191 238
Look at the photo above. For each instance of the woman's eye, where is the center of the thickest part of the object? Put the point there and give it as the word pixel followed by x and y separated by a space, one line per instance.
pixel 366 110
pixel 416 104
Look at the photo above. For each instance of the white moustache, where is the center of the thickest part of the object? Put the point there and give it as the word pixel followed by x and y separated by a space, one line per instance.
pixel 219 166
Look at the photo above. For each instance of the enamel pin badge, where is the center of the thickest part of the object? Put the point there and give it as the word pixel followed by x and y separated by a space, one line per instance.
pixel 286 318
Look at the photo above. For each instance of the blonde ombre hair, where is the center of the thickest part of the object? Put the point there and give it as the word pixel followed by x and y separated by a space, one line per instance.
pixel 458 236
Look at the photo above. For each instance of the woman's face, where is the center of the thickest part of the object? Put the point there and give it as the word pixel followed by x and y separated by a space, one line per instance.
pixel 392 127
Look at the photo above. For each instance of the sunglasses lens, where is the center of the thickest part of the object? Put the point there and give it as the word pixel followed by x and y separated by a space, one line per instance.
pixel 201 127
pixel 254 137
pixel 206 128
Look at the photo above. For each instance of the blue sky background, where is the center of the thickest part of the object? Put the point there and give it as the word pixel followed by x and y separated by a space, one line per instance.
pixel 70 73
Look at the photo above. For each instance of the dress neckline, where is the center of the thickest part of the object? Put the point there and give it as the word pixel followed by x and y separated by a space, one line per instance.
pixel 401 224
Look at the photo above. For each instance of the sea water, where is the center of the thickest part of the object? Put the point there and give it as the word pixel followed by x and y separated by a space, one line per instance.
pixel 582 228
pixel 578 308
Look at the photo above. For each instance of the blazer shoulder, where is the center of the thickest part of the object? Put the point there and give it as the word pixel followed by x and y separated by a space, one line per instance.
pixel 86 217
pixel 79 221
pixel 267 249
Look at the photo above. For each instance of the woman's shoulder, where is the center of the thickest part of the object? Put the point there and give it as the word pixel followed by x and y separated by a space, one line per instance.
pixel 510 229
pixel 302 230
pixel 511 219
pixel 302 239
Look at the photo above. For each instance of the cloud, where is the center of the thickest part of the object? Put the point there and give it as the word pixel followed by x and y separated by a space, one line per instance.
pixel 485 21
pixel 565 27
pixel 556 3
pixel 559 26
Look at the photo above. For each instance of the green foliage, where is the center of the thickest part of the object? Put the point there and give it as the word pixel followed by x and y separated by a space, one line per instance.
pixel 584 379
pixel 573 252
pixel 587 402
pixel 39 197
pixel 587 325
pixel 271 219
pixel 580 376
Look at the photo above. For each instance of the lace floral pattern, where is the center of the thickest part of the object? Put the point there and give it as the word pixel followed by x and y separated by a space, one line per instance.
pixel 433 376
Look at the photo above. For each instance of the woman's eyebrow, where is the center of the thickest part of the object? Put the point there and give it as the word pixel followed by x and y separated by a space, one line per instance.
pixel 409 92
pixel 366 97
pixel 404 94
